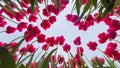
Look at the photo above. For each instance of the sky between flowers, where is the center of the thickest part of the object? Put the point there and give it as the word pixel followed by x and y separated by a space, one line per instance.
pixel 70 32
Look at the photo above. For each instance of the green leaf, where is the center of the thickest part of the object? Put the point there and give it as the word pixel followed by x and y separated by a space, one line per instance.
pixel 17 46
pixel 86 8
pixel 98 63
pixel 110 62
pixel 100 11
pixel 46 62
pixel 8 2
pixel 117 2
pixel 31 58
pixel 24 59
pixel 22 66
pixel 78 5
pixel 59 4
pixel 105 3
pixel 41 60
pixel 75 60
pixel 82 61
pixel 94 2
pixel 32 4
pixel 6 59
pixel 64 65
pixel 109 8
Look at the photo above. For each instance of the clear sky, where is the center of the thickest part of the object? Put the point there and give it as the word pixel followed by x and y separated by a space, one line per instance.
pixel 70 32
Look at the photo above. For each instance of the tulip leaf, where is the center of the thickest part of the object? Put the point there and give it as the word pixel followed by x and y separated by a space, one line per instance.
pixel 32 4
pixel 6 59
pixel 109 8
pixel 30 60
pixel 78 5
pixel 98 63
pixel 8 3
pixel 46 61
pixel 59 4
pixel 24 59
pixel 94 2
pixel 86 8
pixel 17 46
pixel 105 3
pixel 22 66
pixel 110 62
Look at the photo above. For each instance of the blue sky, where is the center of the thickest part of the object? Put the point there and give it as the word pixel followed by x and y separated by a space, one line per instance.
pixel 70 32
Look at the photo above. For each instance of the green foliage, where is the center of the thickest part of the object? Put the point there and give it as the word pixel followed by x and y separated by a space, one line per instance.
pixel 6 59
pixel 18 45
pixel 46 61
pixel 78 5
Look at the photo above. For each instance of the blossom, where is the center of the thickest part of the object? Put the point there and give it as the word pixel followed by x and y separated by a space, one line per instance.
pixel 60 40
pixel 32 18
pixel 111 34
pixel 33 13
pixel 8 12
pixel 31 48
pixel 19 16
pixel 45 47
pixel 10 30
pixel 80 50
pixel 82 26
pixel 21 26
pixel 56 10
pixel 15 56
pixel 33 65
pixel 46 13
pixel 84 2
pixel 60 59
pixel 32 31
pixel 2 44
pixel 77 41
pixel 23 4
pixel 95 60
pixel 111 49
pixel 102 37
pixel 97 18
pixel 13 45
pixel 52 19
pixel 77 58
pixel 66 47
pixel 23 50
pixel 45 24
pixel 72 18
pixel 92 45
pixel 89 21
pixel 50 41
pixel 50 8
pixel 29 36
pixel 53 58
pixel 41 38
pixel 114 25
pixel 2 22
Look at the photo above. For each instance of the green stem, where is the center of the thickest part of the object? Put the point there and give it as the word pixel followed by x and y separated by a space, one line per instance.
pixel 10 19
pixel 116 40
pixel 46 6
pixel 22 9
pixel 56 51
pixel 33 41
pixel 73 7
pixel 40 16
pixel 2 31
pixel 88 60
pixel 38 55
pixel 7 46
